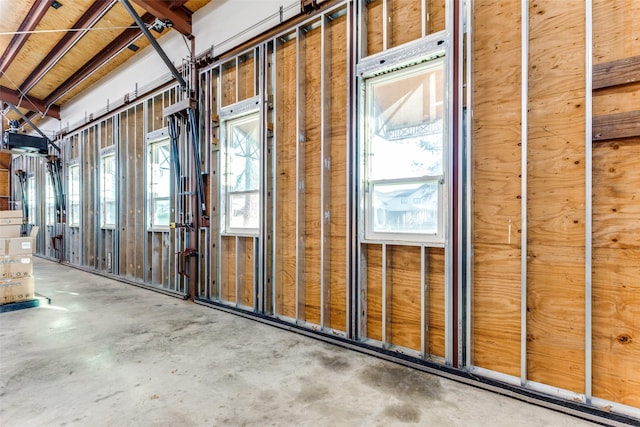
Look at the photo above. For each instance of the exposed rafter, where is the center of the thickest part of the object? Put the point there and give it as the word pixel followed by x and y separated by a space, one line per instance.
pixel 37 12
pixel 180 17
pixel 95 12
pixel 127 37
pixel 13 97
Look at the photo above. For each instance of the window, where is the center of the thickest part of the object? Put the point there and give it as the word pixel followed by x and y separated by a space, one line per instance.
pixel 31 199
pixel 241 190
pixel 108 191
pixel 50 202
pixel 159 175
pixel 404 154
pixel 74 195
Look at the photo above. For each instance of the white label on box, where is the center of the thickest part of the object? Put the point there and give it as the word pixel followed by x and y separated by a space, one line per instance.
pixel 26 245
pixel 25 260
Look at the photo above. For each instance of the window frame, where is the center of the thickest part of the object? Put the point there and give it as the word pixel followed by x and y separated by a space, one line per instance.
pixel 244 116
pixel 111 156
pixel 154 143
pixel 397 72
pixel 74 185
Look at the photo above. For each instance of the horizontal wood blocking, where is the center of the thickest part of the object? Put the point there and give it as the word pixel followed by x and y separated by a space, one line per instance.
pixel 614 126
pixel 616 73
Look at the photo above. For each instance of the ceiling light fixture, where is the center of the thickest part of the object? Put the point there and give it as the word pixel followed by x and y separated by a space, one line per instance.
pixel 133 47
pixel 56 4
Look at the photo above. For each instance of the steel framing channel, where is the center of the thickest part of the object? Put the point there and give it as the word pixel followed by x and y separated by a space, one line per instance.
pixel 351 256
pixel 260 261
pixel 449 321
pixel 588 327
pixel 237 240
pixel 301 140
pixel 524 135
pixel 325 173
pixel 468 28
pixel 385 296
pixel 220 210
pixel 423 17
pixel 385 25
pixel 423 305
pixel 275 88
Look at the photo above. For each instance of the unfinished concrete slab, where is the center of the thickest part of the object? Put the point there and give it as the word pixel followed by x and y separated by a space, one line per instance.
pixel 105 353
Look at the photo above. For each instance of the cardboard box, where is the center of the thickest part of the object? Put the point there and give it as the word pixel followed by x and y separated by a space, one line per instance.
pixel 9 231
pixel 14 290
pixel 18 245
pixel 16 267
pixel 12 221
pixel 10 214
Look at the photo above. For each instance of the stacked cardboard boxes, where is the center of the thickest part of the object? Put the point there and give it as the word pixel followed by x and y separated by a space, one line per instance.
pixel 16 263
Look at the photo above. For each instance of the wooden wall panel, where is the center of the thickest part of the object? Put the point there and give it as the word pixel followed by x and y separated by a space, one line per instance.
pixel 139 220
pixel 403 285
pixel 621 99
pixel 616 30
pixel 436 14
pixel 496 308
pixel 339 149
pixel 311 176
pixel 228 269
pixel 556 195
pixel 555 316
pixel 405 21
pixel 286 184
pixel 246 76
pixel 435 283
pixel 228 88
pixel 496 182
pixel 374 28
pixel 616 268
pixel 89 193
pixel 245 270
pixel 616 325
pixel 372 263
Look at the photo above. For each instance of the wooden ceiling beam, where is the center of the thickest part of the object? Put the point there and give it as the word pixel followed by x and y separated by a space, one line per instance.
pixel 95 12
pixel 180 17
pixel 13 97
pixel 31 21
pixel 120 43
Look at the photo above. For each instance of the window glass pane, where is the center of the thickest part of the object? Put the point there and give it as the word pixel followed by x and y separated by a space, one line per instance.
pixel 50 203
pixel 108 191
pixel 244 209
pixel 405 151
pixel 159 179
pixel 405 208
pixel 74 195
pixel 242 174
pixel 405 119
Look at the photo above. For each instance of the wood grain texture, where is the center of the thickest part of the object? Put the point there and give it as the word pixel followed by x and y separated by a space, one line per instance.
pixel 556 195
pixel 339 149
pixel 616 30
pixel 616 126
pixel 405 21
pixel 616 325
pixel 619 99
pixel 373 284
pixel 286 180
pixel 436 16
pixel 311 174
pixel 496 308
pixel 435 296
pixel 616 194
pixel 246 272
pixel 555 316
pixel 228 269
pixel 246 77
pixel 228 84
pixel 374 28
pixel 404 308
pixel 614 73
pixel 497 200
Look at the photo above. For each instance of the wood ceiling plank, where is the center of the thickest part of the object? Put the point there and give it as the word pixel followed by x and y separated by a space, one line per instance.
pixel 39 44
pixel 13 97
pixel 93 43
pixel 30 22
pixel 95 12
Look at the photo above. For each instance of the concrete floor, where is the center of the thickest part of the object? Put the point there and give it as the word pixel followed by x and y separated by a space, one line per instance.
pixel 110 354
